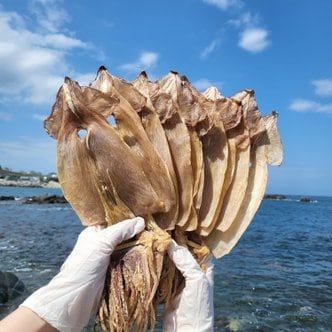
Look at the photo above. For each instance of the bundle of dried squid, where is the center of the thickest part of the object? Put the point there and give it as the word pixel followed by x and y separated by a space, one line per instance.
pixel 193 164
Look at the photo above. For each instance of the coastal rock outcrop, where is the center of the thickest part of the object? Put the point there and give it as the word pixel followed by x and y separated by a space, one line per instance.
pixel 45 199
pixel 10 287
pixel 7 198
pixel 276 197
pixel 306 200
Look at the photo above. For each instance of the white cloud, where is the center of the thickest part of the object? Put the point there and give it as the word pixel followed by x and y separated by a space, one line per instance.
pixel 33 64
pixel 252 37
pixel 29 154
pixel 254 40
pixel 302 105
pixel 224 4
pixel 323 87
pixel 305 105
pixel 60 41
pixel 324 108
pixel 43 89
pixel 209 49
pixel 49 15
pixel 148 58
pixel 246 19
pixel 145 61
pixel 203 83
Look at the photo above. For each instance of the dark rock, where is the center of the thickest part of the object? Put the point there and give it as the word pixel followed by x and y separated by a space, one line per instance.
pixel 3 294
pixel 306 200
pixel 224 322
pixel 275 197
pixel 45 199
pixel 7 198
pixel 10 287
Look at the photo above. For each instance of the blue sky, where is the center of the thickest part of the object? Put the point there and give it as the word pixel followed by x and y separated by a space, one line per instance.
pixel 280 48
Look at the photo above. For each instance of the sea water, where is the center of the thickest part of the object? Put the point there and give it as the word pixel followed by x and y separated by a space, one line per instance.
pixel 277 278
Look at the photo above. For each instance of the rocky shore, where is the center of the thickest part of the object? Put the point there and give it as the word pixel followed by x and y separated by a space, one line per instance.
pixel 10 287
pixel 278 197
pixel 23 183
pixel 45 199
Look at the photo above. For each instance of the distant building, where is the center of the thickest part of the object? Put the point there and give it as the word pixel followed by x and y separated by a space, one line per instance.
pixel 11 178
pixel 33 179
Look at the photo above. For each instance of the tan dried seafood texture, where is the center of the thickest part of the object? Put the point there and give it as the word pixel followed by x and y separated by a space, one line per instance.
pixel 193 164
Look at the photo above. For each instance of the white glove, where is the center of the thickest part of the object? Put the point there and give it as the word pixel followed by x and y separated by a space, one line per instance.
pixel 73 295
pixel 192 310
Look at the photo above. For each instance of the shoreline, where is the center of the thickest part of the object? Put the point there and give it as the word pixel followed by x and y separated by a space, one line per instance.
pixel 31 184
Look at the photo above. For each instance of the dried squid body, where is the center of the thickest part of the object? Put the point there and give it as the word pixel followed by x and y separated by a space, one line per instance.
pixel 132 132
pixel 156 134
pixel 163 95
pixel 221 242
pixel 91 169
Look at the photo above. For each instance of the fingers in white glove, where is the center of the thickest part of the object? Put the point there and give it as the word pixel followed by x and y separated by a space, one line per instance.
pixel 106 239
pixel 124 230
pixel 192 310
pixel 184 261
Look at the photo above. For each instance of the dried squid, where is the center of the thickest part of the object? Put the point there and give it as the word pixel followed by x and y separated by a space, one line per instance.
pixel 193 164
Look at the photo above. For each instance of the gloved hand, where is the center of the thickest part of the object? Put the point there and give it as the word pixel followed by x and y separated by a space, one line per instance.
pixel 192 309
pixel 73 295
